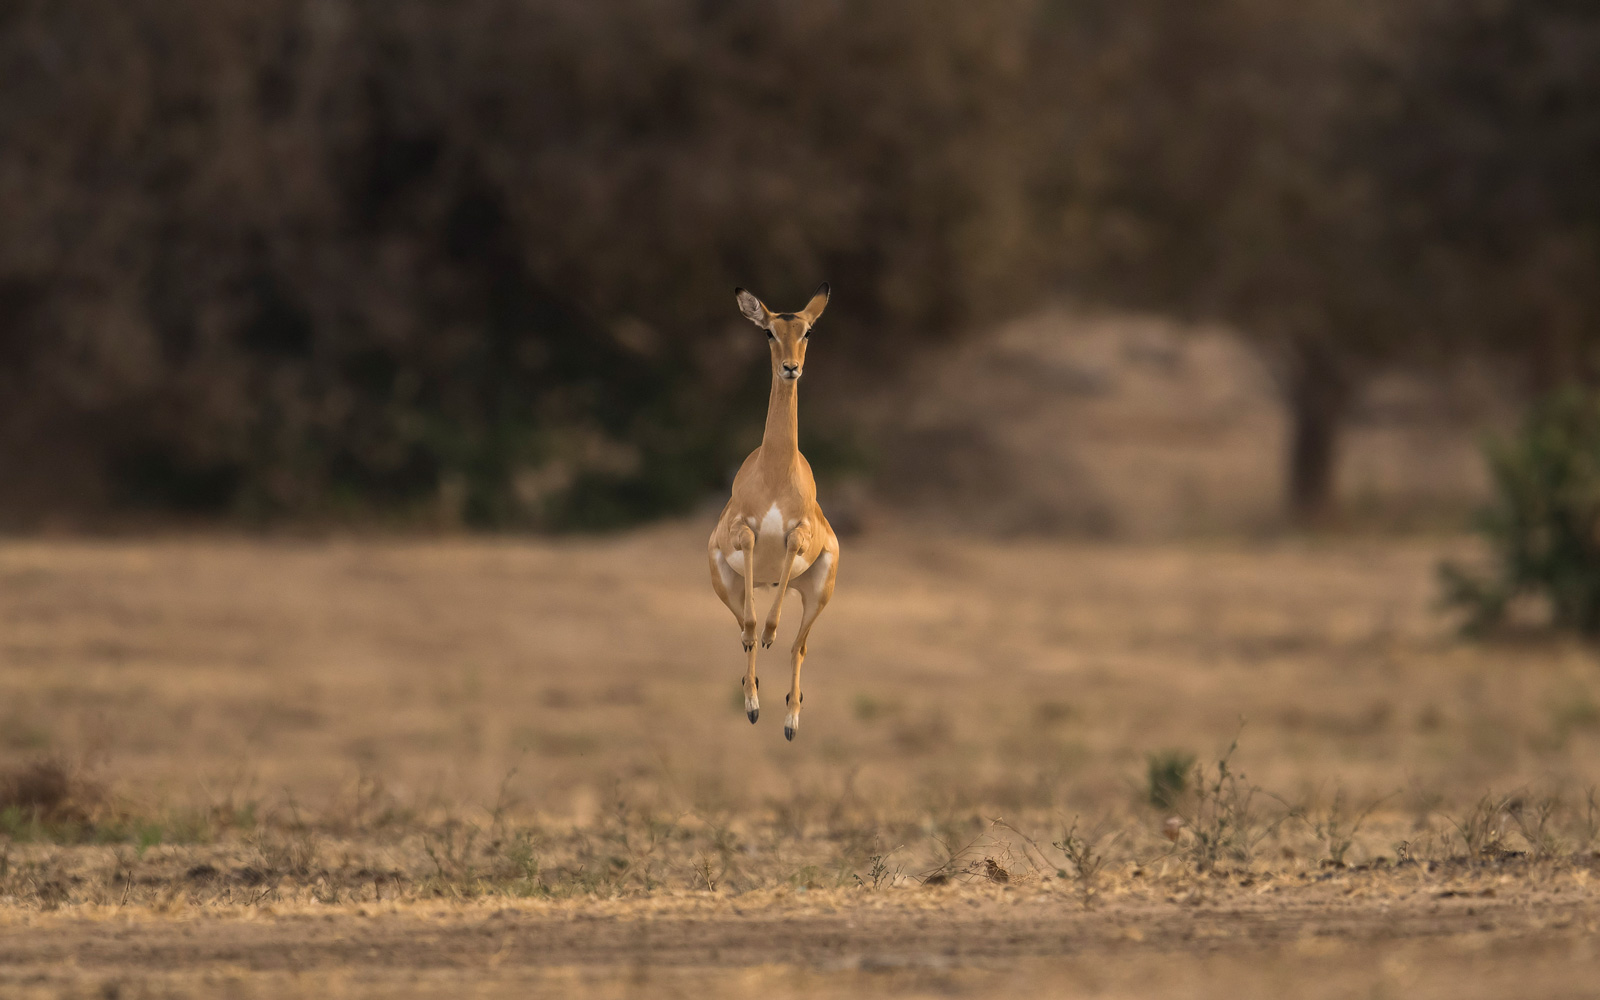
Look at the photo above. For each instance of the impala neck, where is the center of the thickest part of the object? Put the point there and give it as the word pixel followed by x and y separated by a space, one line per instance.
pixel 781 442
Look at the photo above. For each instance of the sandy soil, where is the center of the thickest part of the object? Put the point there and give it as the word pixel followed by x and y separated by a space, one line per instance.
pixel 373 768
pixel 1532 932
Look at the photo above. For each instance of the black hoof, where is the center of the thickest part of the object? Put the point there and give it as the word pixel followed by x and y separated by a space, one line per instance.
pixel 753 715
pixel 788 733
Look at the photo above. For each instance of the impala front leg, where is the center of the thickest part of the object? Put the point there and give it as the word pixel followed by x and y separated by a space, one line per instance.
pixel 799 537
pixel 745 539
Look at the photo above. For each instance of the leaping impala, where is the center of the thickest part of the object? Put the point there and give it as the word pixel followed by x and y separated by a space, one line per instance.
pixel 772 533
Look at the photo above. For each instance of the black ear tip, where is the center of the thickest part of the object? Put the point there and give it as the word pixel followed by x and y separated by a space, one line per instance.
pixel 823 289
pixel 739 291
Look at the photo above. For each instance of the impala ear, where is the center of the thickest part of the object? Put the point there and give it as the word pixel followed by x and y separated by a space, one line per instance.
pixel 818 302
pixel 753 310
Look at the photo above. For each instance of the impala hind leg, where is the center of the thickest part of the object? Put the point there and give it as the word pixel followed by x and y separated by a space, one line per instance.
pixel 795 544
pixel 815 587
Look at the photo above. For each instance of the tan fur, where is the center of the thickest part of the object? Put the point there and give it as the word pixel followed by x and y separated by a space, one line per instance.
pixel 772 533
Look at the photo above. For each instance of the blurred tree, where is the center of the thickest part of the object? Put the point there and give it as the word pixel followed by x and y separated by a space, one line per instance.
pixel 293 258
pixel 1489 148
pixel 1221 185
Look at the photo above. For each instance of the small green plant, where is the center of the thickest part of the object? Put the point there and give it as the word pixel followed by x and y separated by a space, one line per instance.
pixel 241 817
pixel 1085 856
pixel 517 870
pixel 879 874
pixel 1222 817
pixel 146 836
pixel 808 877
pixel 1542 523
pixel 520 854
pixel 1167 777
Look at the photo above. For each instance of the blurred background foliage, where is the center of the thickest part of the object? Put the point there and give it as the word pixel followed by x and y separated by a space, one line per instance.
pixel 1544 523
pixel 472 261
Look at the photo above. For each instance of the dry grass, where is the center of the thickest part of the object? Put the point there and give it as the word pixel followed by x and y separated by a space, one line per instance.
pixel 495 739
pixel 1008 676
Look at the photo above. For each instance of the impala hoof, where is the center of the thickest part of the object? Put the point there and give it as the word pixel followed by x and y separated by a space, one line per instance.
pixel 788 733
pixel 752 703
pixel 752 714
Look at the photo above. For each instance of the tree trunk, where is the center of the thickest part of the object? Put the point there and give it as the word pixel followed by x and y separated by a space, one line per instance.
pixel 1318 392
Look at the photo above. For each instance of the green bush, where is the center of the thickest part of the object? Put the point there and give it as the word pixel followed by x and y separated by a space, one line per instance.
pixel 1167 777
pixel 1544 522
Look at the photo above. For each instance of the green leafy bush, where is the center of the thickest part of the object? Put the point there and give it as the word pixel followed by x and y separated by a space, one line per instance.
pixel 1544 522
pixel 1167 777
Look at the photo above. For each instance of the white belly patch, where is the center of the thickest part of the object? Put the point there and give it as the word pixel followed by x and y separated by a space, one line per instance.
pixel 771 547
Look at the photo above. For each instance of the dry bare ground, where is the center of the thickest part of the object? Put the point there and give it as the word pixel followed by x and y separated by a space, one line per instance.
pixel 375 768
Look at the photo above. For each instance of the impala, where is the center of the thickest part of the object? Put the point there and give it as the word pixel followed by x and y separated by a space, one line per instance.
pixel 772 533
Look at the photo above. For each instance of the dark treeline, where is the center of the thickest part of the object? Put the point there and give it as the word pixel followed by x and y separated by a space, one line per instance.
pixel 289 258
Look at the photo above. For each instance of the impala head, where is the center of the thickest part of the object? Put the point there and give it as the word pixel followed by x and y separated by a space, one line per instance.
pixel 787 333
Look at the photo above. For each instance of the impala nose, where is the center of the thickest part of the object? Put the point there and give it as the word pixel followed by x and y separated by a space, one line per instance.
pixel 791 370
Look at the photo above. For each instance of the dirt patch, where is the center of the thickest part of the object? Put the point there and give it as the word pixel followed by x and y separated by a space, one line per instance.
pixel 1006 935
